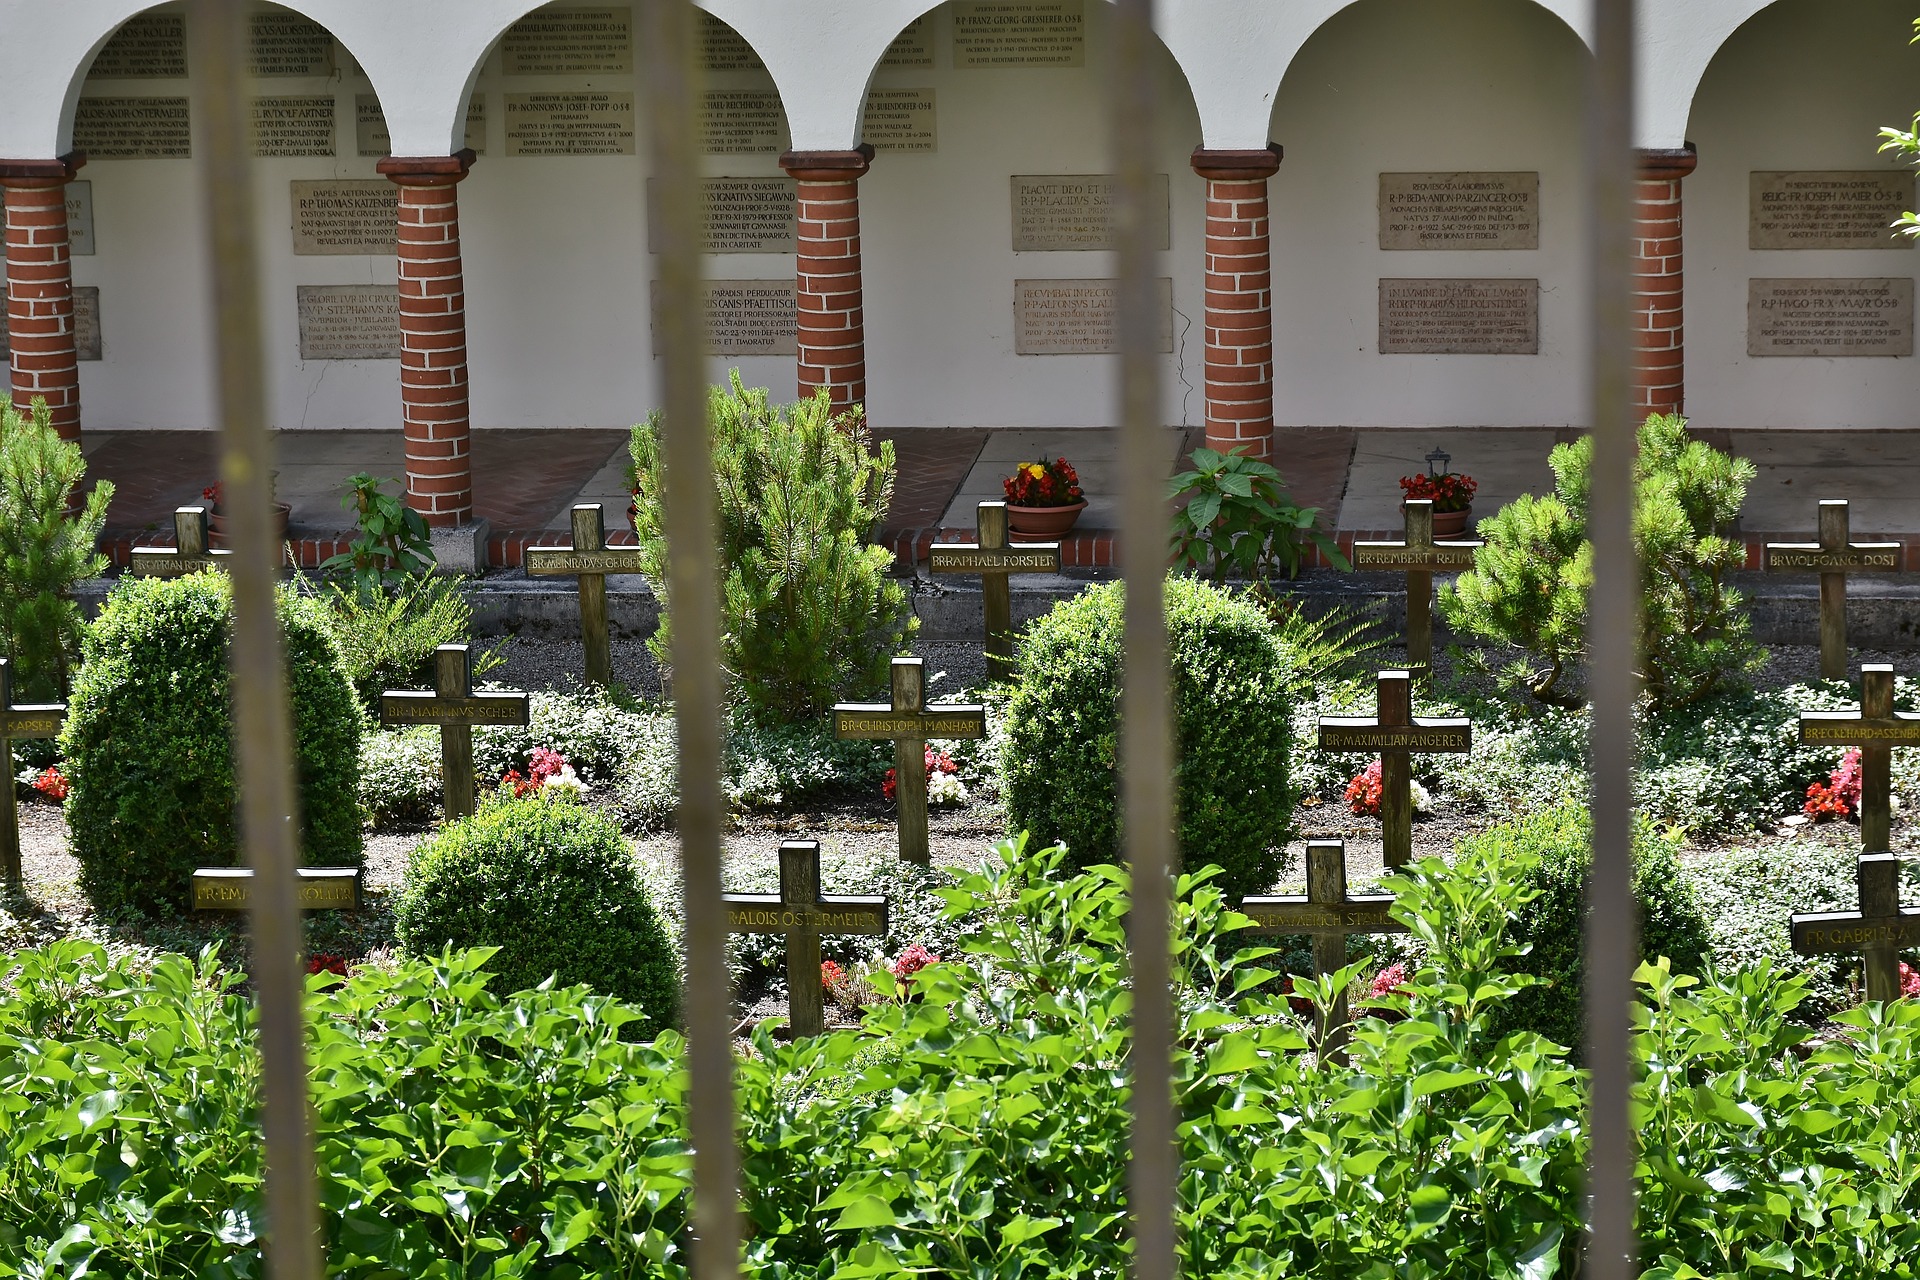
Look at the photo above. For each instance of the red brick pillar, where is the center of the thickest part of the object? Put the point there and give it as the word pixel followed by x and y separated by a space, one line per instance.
pixel 1659 296
pixel 832 310
pixel 433 337
pixel 1239 299
pixel 40 288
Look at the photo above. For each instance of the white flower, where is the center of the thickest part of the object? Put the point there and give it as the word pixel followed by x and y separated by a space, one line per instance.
pixel 565 784
pixel 946 789
pixel 1422 802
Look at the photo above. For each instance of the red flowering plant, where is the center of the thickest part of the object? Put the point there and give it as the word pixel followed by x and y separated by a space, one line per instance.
pixel 322 962
pixel 1839 795
pixel 1044 484
pixel 1449 491
pixel 939 764
pixel 1363 793
pixel 1909 981
pixel 52 784
pixel 211 496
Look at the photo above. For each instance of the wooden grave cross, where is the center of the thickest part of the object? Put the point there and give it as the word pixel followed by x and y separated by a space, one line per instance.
pixel 189 552
pixel 1328 914
pixel 1833 557
pixel 803 913
pixel 590 560
pixel 1880 930
pixel 908 722
pixel 994 560
pixel 1395 735
pixel 456 708
pixel 1875 728
pixel 318 888
pixel 1420 556
pixel 36 721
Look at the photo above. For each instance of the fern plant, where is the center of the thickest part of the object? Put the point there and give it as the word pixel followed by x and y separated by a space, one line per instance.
pixel 810 612
pixel 46 546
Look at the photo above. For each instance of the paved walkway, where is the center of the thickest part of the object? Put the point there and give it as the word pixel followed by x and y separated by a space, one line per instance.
pixel 525 481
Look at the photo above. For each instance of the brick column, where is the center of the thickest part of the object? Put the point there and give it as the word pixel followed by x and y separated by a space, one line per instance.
pixel 1659 296
pixel 1239 299
pixel 833 334
pixel 40 288
pixel 433 339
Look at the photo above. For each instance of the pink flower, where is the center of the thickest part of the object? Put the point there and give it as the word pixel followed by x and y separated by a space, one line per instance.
pixel 913 960
pixel 544 764
pixel 1909 981
pixel 1388 980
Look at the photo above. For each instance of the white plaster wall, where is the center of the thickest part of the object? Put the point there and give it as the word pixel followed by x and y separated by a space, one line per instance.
pixel 1805 85
pixel 1411 86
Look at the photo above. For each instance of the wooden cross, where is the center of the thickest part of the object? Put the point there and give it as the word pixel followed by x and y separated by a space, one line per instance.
pixel 189 552
pixel 1395 735
pixel 1879 929
pixel 908 722
pixel 1420 556
pixel 318 889
pixel 36 721
pixel 1328 914
pixel 993 560
pixel 803 913
pixel 589 559
pixel 456 708
pixel 1833 558
pixel 1875 728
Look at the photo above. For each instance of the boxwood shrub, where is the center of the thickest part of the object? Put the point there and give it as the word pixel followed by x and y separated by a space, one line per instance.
pixel 149 742
pixel 553 885
pixel 1230 675
pixel 1552 852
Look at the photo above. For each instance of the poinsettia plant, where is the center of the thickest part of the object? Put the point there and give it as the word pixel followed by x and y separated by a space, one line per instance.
pixel 1448 491
pixel 1044 484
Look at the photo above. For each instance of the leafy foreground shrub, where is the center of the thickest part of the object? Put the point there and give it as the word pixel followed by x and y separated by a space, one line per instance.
pixel 810 610
pixel 45 549
pixel 553 886
pixel 149 742
pixel 1230 681
pixel 1529 584
pixel 978 1130
pixel 1552 853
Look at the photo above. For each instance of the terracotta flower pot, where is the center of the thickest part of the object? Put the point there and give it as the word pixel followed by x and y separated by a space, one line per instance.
pixel 1451 524
pixel 1041 524
pixel 217 525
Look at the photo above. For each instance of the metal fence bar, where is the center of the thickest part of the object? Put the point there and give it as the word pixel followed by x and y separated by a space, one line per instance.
pixel 672 99
pixel 1146 734
pixel 263 736
pixel 1614 637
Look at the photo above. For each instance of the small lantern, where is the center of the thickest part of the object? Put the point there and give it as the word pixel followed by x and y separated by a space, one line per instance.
pixel 1437 462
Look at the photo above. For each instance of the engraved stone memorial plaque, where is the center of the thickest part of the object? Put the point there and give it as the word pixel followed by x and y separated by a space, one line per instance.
pixel 569 124
pixel 1827 210
pixel 150 46
pixel 349 321
pixel 287 44
pixel 1019 33
pixel 1075 211
pixel 746 317
pixel 1459 211
pixel 739 122
pixel 86 324
pixel 370 125
pixel 1460 317
pixel 724 49
pixel 345 216
pixel 1830 317
pixel 913 47
pixel 570 42
pixel 293 126
pixel 739 215
pixel 900 120
pixel 132 129
pixel 1078 317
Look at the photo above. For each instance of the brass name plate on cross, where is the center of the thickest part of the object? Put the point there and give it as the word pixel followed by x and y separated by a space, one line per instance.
pixel 561 561
pixel 1820 934
pixel 961 558
pixel 1833 557
pixel 993 559
pixel 1344 733
pixel 880 723
pixel 419 707
pixel 318 889
pixel 1419 557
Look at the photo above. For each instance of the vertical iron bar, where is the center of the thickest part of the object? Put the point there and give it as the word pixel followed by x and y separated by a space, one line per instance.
pixel 263 746
pixel 1147 800
pixel 1614 635
pixel 672 96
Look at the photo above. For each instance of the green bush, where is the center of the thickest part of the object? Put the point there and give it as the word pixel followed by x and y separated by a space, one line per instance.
pixel 149 742
pixel 44 549
pixel 809 611
pixel 1530 582
pixel 387 634
pixel 1551 854
pixel 1231 708
pixel 553 885
pixel 400 783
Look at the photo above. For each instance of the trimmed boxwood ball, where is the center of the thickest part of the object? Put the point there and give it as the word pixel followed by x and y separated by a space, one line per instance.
pixel 554 886
pixel 1553 852
pixel 1231 711
pixel 148 742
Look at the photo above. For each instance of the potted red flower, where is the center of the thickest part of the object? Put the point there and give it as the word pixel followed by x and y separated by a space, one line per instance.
pixel 217 518
pixel 1043 500
pixel 1450 492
